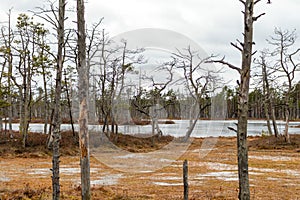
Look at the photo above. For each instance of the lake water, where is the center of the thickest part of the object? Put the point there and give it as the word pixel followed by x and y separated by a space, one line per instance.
pixel 203 128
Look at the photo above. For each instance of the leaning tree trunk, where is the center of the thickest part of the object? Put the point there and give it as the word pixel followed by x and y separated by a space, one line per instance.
pixel 267 113
pixel 83 103
pixel 273 116
pixel 287 120
pixel 269 100
pixel 70 107
pixel 266 101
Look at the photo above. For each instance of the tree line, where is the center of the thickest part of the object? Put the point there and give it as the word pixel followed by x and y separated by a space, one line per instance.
pixel 28 83
pixel 40 69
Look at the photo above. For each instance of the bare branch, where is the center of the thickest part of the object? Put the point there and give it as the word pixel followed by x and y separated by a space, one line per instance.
pixel 243 2
pixel 255 2
pixel 236 46
pixel 256 18
pixel 225 63
pixel 241 43
pixel 295 52
pixel 295 65
pixel 232 129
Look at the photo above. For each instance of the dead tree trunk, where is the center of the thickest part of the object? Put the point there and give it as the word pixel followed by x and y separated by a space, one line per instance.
pixel 83 80
pixel 243 95
pixel 287 120
pixel 270 98
pixel 273 115
pixel 46 104
pixel 185 181
pixel 271 106
pixel 283 41
pixel 56 135
pixel 244 191
pixel 69 105
pixel 10 66
pixel 267 97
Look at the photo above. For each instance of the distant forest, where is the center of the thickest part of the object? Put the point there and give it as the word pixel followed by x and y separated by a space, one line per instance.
pixel 27 83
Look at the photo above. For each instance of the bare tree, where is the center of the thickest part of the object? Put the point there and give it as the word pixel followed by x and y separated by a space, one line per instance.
pixel 168 69
pixel 55 16
pixel 116 61
pixel 56 135
pixel 245 48
pixel 267 77
pixel 83 86
pixel 286 65
pixel 199 81
pixel 68 96
pixel 122 66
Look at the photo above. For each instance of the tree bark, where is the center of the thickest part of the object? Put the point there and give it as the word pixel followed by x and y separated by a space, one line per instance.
pixel 266 94
pixel 267 113
pixel 83 102
pixel 287 119
pixel 69 105
pixel 297 103
pixel 10 66
pixel 46 104
pixel 242 146
pixel 185 180
pixel 56 135
pixel 273 115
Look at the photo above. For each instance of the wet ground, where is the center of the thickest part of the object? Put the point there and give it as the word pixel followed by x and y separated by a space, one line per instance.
pixel 274 174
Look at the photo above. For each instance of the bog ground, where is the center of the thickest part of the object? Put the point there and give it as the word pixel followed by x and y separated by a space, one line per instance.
pixel 274 168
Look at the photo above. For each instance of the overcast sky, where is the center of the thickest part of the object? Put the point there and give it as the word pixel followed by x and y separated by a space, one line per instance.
pixel 213 24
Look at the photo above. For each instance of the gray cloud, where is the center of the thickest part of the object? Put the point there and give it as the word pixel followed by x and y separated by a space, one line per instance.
pixel 213 24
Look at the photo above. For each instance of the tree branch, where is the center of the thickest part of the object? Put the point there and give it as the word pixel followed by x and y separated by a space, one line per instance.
pixel 243 2
pixel 292 54
pixel 232 129
pixel 256 18
pixel 254 53
pixel 225 63
pixel 255 2
pixel 236 46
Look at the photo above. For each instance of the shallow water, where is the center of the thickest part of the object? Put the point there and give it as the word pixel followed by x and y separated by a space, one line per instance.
pixel 203 128
pixel 272 158
pixel 110 179
pixel 167 184
pixel 222 175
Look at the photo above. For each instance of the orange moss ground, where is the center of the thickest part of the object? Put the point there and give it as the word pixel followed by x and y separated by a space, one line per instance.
pixel 274 168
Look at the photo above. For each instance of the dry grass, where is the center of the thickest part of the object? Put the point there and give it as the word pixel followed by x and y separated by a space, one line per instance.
pixel 274 168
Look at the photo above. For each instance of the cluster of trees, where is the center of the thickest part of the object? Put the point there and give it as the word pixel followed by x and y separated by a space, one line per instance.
pixel 38 68
pixel 28 91
pixel 31 57
pixel 38 75
pixel 30 87
pixel 257 99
